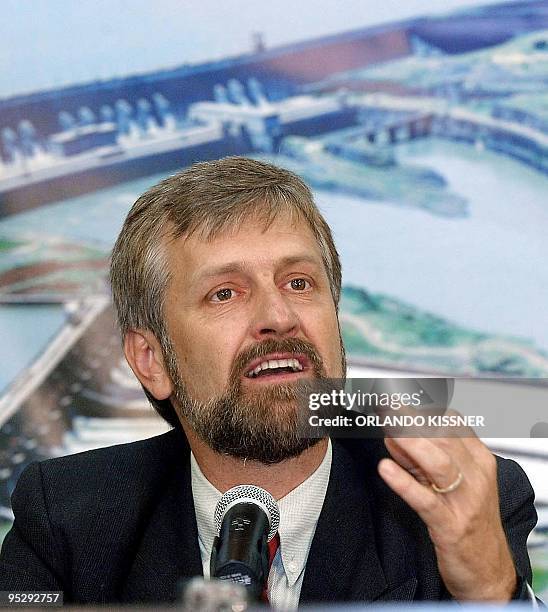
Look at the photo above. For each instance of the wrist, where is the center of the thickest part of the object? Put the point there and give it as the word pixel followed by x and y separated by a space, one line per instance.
pixel 502 590
pixel 506 589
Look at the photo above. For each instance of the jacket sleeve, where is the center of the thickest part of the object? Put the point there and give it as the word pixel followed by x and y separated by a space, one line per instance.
pixel 30 557
pixel 519 517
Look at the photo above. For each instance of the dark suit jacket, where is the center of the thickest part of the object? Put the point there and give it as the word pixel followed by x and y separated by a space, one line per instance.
pixel 118 525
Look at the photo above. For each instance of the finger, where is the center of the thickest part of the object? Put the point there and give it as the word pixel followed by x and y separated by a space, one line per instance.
pixel 469 439
pixel 477 449
pixel 399 455
pixel 427 504
pixel 454 440
pixel 456 449
pixel 403 459
pixel 437 464
pixel 448 437
pixel 461 431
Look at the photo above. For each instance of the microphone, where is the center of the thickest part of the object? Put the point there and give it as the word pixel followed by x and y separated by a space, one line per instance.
pixel 246 518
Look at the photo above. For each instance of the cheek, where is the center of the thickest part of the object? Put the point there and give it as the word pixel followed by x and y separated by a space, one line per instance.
pixel 335 352
pixel 205 366
pixel 325 335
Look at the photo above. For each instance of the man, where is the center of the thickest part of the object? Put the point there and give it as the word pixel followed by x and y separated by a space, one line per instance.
pixel 226 283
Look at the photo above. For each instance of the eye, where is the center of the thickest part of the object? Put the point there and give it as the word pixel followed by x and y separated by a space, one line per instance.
pixel 299 284
pixel 223 295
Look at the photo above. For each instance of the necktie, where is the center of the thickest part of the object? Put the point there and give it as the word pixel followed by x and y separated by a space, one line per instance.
pixel 273 546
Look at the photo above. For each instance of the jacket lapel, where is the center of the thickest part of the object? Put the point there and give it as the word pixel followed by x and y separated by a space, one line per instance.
pixel 168 552
pixel 343 563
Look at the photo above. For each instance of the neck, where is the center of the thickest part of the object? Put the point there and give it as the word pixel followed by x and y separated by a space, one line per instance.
pixel 225 472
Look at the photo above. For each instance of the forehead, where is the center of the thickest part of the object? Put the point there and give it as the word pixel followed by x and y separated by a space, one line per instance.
pixel 253 243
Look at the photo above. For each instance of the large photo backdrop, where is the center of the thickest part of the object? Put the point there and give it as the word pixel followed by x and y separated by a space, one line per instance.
pixel 424 136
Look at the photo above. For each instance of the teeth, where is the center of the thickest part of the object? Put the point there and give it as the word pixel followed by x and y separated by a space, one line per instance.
pixel 273 364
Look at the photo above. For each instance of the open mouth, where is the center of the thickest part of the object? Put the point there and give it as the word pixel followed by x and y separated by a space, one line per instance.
pixel 268 367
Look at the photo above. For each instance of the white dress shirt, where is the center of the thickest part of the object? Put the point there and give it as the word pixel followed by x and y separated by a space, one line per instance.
pixel 299 513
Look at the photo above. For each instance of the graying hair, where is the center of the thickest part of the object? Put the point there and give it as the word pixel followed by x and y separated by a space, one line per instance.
pixel 207 198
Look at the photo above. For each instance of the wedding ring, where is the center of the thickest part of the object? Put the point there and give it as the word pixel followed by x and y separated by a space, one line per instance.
pixel 451 487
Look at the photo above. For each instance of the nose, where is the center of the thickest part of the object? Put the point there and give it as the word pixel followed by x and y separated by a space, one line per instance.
pixel 274 316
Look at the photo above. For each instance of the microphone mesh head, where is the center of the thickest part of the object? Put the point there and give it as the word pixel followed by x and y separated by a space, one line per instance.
pixel 250 494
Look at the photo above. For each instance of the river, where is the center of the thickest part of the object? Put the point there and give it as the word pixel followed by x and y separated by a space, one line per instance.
pixel 487 271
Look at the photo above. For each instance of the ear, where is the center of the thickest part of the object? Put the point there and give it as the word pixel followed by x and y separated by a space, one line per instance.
pixel 145 358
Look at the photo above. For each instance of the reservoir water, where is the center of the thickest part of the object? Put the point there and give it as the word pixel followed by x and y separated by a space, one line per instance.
pixel 487 271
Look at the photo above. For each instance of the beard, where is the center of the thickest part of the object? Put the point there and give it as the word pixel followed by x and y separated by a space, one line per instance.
pixel 260 424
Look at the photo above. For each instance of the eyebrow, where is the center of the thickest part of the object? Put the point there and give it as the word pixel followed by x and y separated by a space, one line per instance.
pixel 241 267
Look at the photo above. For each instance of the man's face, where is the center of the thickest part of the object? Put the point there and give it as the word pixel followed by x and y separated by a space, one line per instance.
pixel 249 315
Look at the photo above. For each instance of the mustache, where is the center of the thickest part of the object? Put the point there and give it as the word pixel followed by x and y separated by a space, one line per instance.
pixel 286 345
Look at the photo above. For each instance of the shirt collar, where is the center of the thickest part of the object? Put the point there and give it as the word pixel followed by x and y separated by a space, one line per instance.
pixel 299 513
